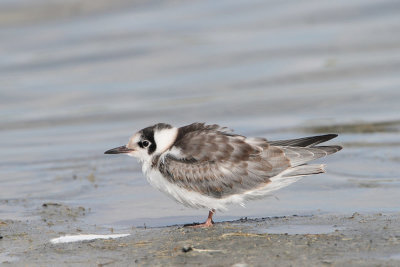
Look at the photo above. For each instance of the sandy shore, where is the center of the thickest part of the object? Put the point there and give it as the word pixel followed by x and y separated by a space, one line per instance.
pixel 335 240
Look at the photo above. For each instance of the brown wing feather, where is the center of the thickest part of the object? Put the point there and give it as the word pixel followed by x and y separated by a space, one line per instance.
pixel 217 163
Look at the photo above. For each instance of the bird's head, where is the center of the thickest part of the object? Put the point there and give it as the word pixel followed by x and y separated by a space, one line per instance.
pixel 148 142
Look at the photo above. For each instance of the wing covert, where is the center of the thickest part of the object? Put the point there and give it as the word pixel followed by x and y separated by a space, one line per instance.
pixel 218 163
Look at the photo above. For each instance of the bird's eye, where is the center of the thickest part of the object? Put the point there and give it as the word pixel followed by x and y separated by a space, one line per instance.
pixel 145 143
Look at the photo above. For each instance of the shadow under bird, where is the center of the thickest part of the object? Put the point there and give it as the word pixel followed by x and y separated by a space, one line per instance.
pixel 208 166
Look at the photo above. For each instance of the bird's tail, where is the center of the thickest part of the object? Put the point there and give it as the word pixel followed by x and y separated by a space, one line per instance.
pixel 302 170
pixel 284 179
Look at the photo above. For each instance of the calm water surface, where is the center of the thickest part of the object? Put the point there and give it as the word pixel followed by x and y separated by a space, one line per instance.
pixel 78 78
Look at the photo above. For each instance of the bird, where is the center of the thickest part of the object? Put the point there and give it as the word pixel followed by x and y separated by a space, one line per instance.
pixel 208 166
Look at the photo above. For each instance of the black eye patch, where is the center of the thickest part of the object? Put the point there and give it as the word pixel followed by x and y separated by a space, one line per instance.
pixel 148 134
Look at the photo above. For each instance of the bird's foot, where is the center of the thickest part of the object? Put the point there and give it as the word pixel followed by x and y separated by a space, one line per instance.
pixel 206 224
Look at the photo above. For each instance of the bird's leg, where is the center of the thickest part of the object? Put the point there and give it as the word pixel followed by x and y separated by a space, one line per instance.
pixel 208 223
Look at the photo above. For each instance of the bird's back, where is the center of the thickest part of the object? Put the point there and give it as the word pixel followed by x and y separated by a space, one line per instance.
pixel 213 161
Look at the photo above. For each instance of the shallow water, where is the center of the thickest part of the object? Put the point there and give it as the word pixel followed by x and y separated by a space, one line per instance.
pixel 395 257
pixel 78 78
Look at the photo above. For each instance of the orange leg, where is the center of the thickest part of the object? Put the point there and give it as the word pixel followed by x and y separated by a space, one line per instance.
pixel 208 223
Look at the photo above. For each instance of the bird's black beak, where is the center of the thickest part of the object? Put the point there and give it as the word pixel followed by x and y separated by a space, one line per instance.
pixel 119 150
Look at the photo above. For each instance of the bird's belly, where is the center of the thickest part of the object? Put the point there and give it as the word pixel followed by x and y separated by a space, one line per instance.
pixel 186 197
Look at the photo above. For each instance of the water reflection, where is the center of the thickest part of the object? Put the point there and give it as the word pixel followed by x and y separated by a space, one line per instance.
pixel 78 78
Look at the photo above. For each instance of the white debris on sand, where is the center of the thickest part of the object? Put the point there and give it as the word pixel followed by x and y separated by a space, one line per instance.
pixel 77 238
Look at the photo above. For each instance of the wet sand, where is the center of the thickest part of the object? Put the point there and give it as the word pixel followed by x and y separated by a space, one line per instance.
pixel 314 240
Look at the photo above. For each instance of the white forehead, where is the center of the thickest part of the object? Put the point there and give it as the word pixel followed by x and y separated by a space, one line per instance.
pixel 134 138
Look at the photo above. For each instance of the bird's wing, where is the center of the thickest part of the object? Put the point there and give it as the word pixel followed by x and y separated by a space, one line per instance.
pixel 305 141
pixel 214 162
pixel 301 155
pixel 302 150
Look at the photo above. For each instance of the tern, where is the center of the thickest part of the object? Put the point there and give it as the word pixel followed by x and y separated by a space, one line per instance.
pixel 208 166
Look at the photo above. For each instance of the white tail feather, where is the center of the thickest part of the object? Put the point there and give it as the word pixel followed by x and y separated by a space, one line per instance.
pixel 303 170
pixel 284 179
